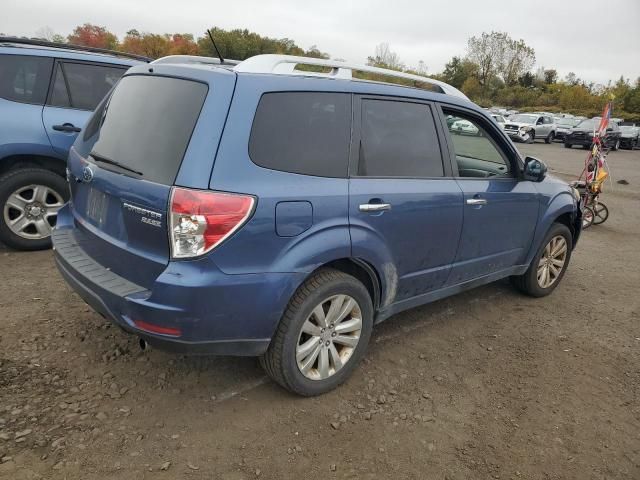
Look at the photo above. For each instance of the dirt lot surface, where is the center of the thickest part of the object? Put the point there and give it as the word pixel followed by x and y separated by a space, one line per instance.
pixel 487 384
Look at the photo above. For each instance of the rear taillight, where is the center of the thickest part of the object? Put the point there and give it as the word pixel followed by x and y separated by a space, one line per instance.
pixel 201 220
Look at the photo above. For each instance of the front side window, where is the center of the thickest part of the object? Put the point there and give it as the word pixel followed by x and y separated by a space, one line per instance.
pixel 83 86
pixel 399 139
pixel 24 78
pixel 477 155
pixel 302 132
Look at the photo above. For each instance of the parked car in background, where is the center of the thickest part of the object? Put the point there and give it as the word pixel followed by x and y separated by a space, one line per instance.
pixel 564 126
pixel 500 120
pixel 274 216
pixel 47 93
pixel 582 134
pixel 629 136
pixel 463 127
pixel 526 127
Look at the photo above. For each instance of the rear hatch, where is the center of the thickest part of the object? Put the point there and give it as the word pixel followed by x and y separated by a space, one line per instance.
pixel 133 150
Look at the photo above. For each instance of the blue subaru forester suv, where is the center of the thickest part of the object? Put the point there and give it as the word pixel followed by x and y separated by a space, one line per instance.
pixel 259 209
pixel 47 94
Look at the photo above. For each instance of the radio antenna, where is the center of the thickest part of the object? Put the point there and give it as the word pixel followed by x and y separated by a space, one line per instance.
pixel 215 46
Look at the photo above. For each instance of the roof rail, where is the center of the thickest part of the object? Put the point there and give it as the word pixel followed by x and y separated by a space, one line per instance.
pixel 286 65
pixel 70 46
pixel 195 59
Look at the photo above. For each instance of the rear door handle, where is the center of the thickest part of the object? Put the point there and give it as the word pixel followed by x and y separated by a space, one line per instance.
pixel 476 201
pixel 67 127
pixel 374 207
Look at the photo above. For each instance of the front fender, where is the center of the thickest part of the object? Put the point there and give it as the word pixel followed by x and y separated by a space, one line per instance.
pixel 560 204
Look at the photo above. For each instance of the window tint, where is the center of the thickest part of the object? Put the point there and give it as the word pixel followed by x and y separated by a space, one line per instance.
pixel 302 132
pixel 59 94
pixel 88 84
pixel 147 125
pixel 398 140
pixel 476 153
pixel 24 78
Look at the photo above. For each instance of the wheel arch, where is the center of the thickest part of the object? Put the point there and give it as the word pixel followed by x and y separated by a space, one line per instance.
pixel 11 162
pixel 362 271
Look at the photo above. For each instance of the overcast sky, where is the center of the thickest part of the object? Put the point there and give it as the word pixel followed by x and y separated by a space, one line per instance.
pixel 598 40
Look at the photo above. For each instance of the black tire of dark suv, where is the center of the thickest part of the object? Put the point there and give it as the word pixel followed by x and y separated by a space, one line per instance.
pixel 23 180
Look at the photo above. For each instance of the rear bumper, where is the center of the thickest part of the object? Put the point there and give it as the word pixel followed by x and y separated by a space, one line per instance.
pixel 215 313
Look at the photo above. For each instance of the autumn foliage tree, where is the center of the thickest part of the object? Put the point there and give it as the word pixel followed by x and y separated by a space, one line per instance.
pixel 93 36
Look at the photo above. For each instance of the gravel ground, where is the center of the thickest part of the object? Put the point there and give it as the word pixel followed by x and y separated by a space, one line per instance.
pixel 487 384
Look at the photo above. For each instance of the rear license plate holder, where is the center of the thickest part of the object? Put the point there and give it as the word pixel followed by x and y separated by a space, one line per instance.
pixel 97 203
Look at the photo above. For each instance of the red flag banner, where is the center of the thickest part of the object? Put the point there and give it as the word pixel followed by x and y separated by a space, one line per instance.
pixel 604 122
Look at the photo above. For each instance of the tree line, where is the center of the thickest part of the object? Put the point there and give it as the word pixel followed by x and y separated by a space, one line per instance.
pixel 495 69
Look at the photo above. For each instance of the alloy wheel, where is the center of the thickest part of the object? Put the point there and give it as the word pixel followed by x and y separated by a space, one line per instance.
pixel 32 210
pixel 329 337
pixel 552 261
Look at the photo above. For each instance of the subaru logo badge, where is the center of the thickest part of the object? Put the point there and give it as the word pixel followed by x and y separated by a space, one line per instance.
pixel 87 174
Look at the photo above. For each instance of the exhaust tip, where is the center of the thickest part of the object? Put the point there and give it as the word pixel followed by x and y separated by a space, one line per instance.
pixel 143 344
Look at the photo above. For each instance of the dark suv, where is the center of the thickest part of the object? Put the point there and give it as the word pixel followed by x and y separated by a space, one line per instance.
pixel 258 209
pixel 47 93
pixel 582 134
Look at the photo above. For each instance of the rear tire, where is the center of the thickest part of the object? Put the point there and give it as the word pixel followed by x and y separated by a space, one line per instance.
pixel 554 256
pixel 20 228
pixel 549 138
pixel 287 354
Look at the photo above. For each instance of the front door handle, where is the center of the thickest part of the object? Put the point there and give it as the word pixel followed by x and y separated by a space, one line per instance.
pixel 374 207
pixel 476 201
pixel 67 127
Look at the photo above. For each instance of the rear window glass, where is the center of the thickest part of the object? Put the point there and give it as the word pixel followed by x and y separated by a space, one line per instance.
pixel 302 132
pixel 24 79
pixel 148 123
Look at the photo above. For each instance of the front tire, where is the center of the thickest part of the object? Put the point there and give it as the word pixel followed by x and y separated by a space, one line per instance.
pixel 567 145
pixel 29 202
pixel 616 145
pixel 549 265
pixel 322 335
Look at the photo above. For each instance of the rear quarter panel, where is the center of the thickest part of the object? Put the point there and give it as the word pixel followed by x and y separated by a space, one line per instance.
pixel 257 247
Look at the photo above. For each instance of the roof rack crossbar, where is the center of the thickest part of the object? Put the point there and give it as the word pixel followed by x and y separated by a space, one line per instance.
pixel 71 46
pixel 286 65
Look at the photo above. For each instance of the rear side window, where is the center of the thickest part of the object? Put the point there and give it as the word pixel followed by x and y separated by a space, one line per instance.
pixel 24 78
pixel 148 123
pixel 398 140
pixel 302 132
pixel 82 86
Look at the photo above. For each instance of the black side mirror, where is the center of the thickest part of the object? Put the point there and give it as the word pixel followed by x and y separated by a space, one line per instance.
pixel 534 170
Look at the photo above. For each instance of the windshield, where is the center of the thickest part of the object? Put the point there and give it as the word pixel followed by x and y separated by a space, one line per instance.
pixel 589 124
pixel 523 118
pixel 568 122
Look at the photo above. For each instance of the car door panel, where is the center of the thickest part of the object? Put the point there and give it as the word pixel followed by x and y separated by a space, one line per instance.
pixel 499 211
pixel 408 228
pixel 497 234
pixel 76 89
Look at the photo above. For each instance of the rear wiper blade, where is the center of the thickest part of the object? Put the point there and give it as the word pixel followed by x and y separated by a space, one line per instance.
pixel 99 158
